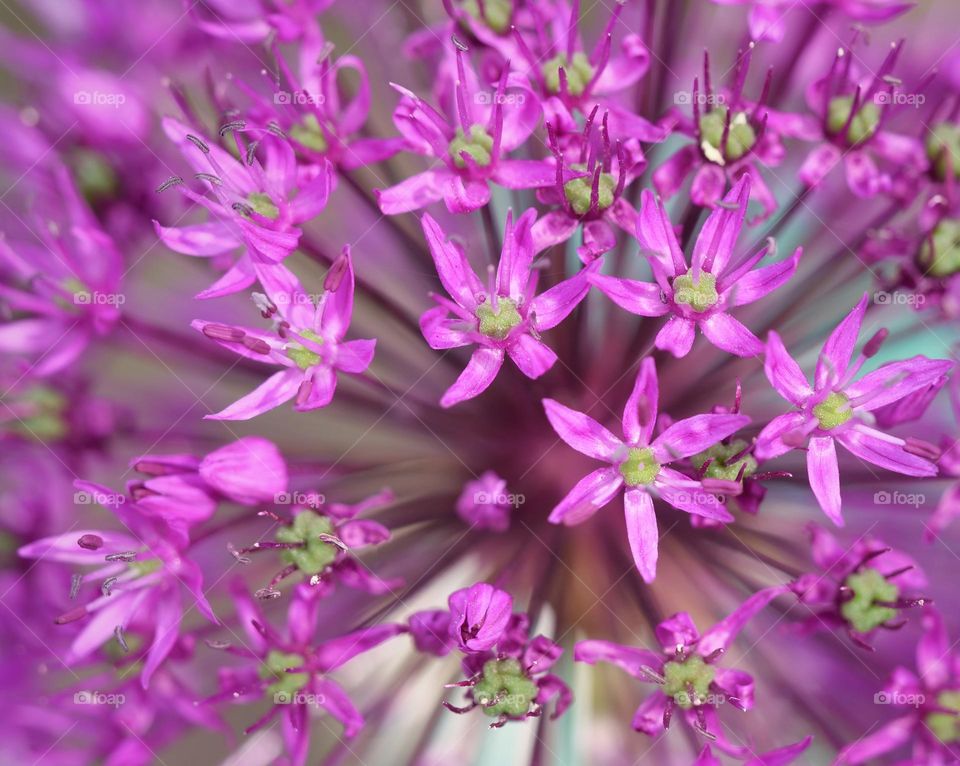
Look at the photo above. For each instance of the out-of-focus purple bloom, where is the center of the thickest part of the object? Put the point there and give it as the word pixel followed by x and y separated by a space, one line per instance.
pixel 478 616
pixel 859 588
pixel 931 697
pixel 256 207
pixel 253 21
pixel 485 503
pixel 687 672
pixel 838 407
pixel 141 573
pixel 291 671
pixel 779 757
pixel 639 463
pixel 503 317
pixel 699 295
pixel 307 341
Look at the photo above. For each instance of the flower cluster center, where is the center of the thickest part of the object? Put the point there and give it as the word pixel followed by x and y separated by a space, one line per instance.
pixel 579 191
pixel 700 295
pixel 940 252
pixel 862 611
pixel 263 205
pixel 720 466
pixel 833 411
pixel 504 689
pixel 477 145
pixel 497 323
pixel 316 554
pixel 863 125
pixel 741 136
pixel 283 685
pixel 688 681
pixel 946 726
pixel 304 358
pixel 579 72
pixel 640 467
pixel 496 14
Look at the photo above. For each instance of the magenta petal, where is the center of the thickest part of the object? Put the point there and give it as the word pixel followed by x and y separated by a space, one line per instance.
pixel 583 433
pixel 465 195
pixel 330 655
pixel 640 411
pixel 736 685
pixel 690 496
pixel 441 331
pixel 476 377
pixel 591 493
pixel 708 185
pixel 676 336
pixel 278 388
pixel 657 236
pixel 766 22
pixel 933 651
pixel 759 282
pixel 782 755
pixel 888 737
pixel 598 238
pixel 413 193
pixel 167 615
pixel 643 298
pixel 355 356
pixel 835 357
pixel 524 174
pixel 554 228
pixel 728 334
pixel 885 451
pixel 323 385
pixel 628 658
pixel 516 258
pixel 784 373
pixel 677 630
pixel 532 357
pixel 670 176
pixel 824 476
pixel 204 239
pixel 338 704
pixel 479 616
pixel 648 717
pixel 249 471
pixel 721 635
pixel 819 163
pixel 896 380
pixel 338 308
pixel 863 176
pixel 642 531
pixel 718 237
pixel 554 305
pixel 453 269
pixel 296 733
pixel 693 435
pixel 238 277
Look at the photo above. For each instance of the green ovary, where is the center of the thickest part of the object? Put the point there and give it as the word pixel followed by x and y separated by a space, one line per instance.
pixel 740 138
pixel 940 253
pixel 498 323
pixel 719 455
pixel 943 150
pixel 304 357
pixel 263 205
pixel 308 133
pixel 504 689
pixel 579 191
pixel 579 73
pixel 315 555
pixel 863 125
pixel 945 726
pixel 688 682
pixel 478 146
pixel 833 411
pixel 274 668
pixel 639 468
pixel 145 567
pixel 700 295
pixel 862 611
pixel 495 13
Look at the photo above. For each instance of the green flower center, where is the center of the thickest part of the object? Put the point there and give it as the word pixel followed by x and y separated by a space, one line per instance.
pixel 504 689
pixel 833 411
pixel 478 146
pixel 740 138
pixel 699 295
pixel 274 669
pixel 579 73
pixel 688 681
pixel 145 567
pixel 946 726
pixel 41 415
pixel 943 149
pixel 862 611
pixel 864 123
pixel 308 133
pixel 719 455
pixel 315 555
pixel 639 468
pixel 941 256
pixel 496 14
pixel 263 205
pixel 579 191
pixel 498 323
pixel 304 357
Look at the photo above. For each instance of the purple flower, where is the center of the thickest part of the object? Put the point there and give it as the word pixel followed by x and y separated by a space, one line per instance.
pixel 686 670
pixel 505 317
pixel 779 757
pixel 590 180
pixel 839 407
pixel 931 698
pixel 307 341
pixel 248 471
pixel 256 207
pixel 141 574
pixel 291 671
pixel 699 295
pixel 489 125
pixel 852 114
pixel 485 504
pixel 254 21
pixel 478 616
pixel 859 588
pixel 639 464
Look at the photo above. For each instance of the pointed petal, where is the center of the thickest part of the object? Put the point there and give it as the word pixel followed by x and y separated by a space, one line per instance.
pixel 824 476
pixel 784 373
pixel 642 531
pixel 728 334
pixel 532 356
pixel 676 336
pixel 278 388
pixel 413 193
pixel 476 377
pixel 640 411
pixel 554 305
pixel 693 435
pixel 721 635
pixel 582 432
pixel 884 450
pixel 895 380
pixel 453 269
pixel 642 298
pixel 835 357
pixel 591 493
pixel 760 282
pixel 628 658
